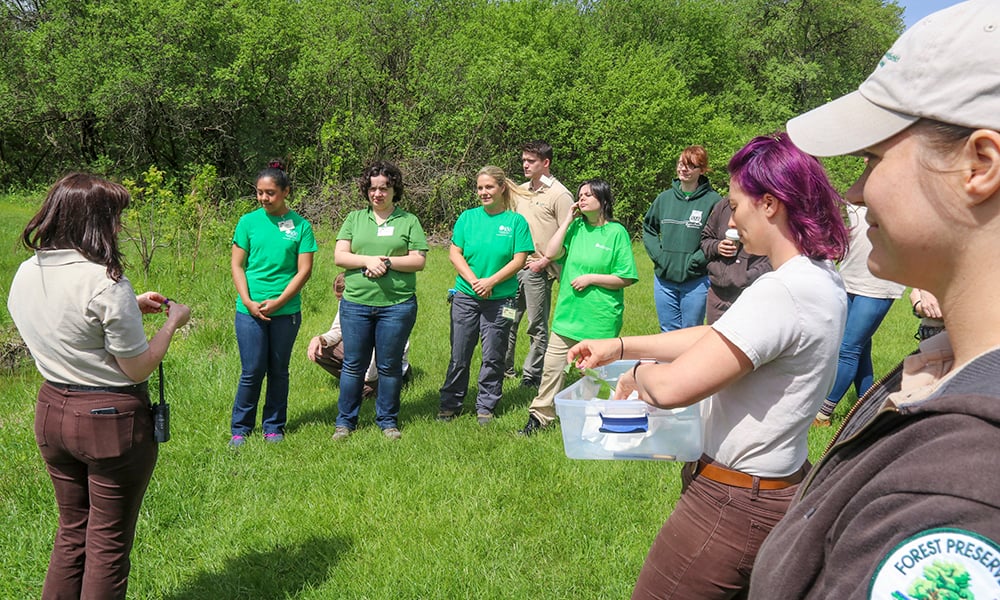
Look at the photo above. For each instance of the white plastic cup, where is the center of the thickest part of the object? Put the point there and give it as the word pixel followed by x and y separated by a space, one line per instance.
pixel 732 235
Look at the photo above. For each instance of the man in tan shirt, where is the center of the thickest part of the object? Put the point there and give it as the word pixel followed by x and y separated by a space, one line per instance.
pixel 545 210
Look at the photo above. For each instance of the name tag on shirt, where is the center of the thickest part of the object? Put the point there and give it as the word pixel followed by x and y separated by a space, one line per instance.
pixel 385 231
pixel 286 225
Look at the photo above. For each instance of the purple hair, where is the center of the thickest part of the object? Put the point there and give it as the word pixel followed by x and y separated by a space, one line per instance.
pixel 773 165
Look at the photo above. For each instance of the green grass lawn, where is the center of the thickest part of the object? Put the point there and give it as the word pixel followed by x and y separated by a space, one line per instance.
pixel 453 510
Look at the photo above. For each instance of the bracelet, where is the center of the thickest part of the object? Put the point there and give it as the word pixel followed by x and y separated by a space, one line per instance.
pixel 915 313
pixel 621 355
pixel 641 361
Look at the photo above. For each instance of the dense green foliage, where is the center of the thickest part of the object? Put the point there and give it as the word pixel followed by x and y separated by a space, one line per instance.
pixel 618 87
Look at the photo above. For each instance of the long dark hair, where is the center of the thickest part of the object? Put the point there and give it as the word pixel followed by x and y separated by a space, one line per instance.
pixel 81 212
pixel 602 191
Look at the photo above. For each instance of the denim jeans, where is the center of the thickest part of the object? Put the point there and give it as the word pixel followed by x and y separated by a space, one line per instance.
pixel 384 329
pixel 680 305
pixel 854 364
pixel 265 349
pixel 534 299
pixel 471 320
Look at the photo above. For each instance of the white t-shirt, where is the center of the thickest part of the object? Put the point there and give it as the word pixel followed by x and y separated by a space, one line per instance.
pixel 789 323
pixel 74 319
pixel 854 268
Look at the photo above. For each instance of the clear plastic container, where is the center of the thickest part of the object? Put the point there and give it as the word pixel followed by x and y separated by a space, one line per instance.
pixel 625 429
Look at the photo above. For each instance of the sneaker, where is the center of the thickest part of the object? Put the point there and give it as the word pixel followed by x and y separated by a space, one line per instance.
pixel 533 426
pixel 821 420
pixel 392 433
pixel 484 418
pixel 236 441
pixel 529 382
pixel 341 433
pixel 510 374
pixel 448 415
pixel 274 438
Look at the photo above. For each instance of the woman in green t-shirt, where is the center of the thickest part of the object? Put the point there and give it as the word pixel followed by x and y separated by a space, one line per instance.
pixel 382 247
pixel 598 264
pixel 489 245
pixel 272 259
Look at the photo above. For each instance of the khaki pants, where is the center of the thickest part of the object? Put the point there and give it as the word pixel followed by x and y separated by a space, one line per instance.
pixel 553 375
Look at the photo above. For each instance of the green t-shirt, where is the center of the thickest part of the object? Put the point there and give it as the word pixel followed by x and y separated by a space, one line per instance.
pixel 596 312
pixel 400 233
pixel 273 245
pixel 489 242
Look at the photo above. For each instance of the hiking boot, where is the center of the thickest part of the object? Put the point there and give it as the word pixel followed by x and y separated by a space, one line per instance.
pixel 484 418
pixel 392 433
pixel 529 382
pixel 510 374
pixel 341 433
pixel 533 426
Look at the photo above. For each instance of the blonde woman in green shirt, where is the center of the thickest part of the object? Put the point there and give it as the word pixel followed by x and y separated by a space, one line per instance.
pixel 489 245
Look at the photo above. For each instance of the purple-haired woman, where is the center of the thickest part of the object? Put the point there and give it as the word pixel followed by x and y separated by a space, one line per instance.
pixel 763 369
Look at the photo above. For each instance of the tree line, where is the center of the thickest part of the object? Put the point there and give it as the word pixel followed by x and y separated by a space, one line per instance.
pixel 441 87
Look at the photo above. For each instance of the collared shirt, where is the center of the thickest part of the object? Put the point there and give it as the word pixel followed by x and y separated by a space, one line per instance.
pixel 75 320
pixel 400 234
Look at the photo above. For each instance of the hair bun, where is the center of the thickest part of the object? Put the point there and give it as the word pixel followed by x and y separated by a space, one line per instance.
pixel 276 164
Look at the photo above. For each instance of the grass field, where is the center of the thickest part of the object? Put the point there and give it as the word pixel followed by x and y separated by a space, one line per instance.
pixel 453 510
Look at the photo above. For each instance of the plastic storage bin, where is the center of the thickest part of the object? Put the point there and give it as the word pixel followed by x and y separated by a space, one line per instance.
pixel 625 429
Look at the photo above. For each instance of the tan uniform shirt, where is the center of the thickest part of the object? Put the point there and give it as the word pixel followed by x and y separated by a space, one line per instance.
pixel 544 211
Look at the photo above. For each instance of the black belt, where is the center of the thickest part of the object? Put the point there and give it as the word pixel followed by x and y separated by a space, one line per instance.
pixel 137 388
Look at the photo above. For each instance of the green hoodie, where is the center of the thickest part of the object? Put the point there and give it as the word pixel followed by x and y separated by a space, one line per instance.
pixel 671 231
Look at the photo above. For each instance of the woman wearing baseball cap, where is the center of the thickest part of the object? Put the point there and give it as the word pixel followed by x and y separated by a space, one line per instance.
pixel 906 501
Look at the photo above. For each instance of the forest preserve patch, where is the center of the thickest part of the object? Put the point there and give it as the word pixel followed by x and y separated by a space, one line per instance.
pixel 940 563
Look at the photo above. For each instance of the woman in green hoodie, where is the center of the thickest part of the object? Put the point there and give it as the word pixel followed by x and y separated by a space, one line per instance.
pixel 671 232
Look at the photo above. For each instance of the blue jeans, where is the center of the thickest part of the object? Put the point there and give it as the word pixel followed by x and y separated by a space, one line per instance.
pixel 473 320
pixel 680 305
pixel 854 365
pixel 265 349
pixel 384 329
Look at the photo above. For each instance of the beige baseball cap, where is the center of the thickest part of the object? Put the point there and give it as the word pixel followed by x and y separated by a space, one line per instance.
pixel 946 68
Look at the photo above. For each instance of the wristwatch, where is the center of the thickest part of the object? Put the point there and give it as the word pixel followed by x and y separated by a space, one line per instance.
pixel 642 361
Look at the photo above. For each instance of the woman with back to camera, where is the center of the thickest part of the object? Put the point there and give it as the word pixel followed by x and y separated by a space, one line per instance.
pixel 869 299
pixel 906 501
pixel 272 260
pixel 671 232
pixel 763 369
pixel 382 247
pixel 597 264
pixel 489 245
pixel 82 322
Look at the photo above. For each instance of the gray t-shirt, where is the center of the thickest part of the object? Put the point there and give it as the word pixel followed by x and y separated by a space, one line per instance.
pixel 789 323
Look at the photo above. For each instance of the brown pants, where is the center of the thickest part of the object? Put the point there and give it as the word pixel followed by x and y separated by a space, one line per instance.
pixel 100 466
pixel 331 358
pixel 707 547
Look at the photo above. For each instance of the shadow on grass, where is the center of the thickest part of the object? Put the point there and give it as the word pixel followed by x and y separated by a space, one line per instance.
pixel 281 572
